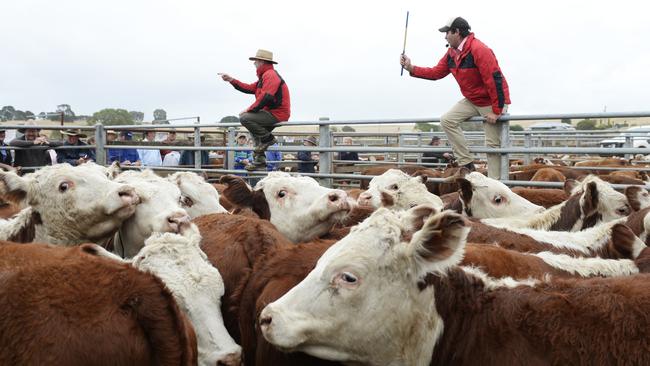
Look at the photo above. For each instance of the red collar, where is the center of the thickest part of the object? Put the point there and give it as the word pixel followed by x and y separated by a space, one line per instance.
pixel 264 68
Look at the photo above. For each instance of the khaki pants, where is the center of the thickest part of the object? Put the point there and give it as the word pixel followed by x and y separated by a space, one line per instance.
pixel 461 112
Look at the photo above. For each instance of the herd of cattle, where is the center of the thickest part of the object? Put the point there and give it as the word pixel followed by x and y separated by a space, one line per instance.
pixel 103 267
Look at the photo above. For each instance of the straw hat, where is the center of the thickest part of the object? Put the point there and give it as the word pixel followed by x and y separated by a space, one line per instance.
pixel 29 125
pixel 311 140
pixel 263 55
pixel 73 132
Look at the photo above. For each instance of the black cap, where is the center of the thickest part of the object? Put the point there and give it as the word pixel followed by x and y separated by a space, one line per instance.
pixel 455 22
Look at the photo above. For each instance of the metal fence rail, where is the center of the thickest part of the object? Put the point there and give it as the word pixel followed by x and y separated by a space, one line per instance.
pixel 407 145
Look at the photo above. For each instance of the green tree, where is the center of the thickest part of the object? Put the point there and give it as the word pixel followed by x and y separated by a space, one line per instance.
pixel 138 117
pixel 29 115
pixel 566 120
pixel 110 117
pixel 159 115
pixel 19 115
pixel 68 114
pixel 586 124
pixel 347 129
pixel 229 119
pixel 7 113
pixel 516 128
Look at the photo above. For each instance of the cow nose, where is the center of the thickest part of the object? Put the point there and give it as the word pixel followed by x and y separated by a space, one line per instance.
pixel 177 221
pixel 265 321
pixel 231 359
pixel 128 196
pixel 364 199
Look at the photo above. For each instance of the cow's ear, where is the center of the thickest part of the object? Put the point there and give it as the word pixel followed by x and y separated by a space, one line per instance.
pixel 14 187
pixel 113 170
pixel 466 191
pixel 440 244
pixel 590 199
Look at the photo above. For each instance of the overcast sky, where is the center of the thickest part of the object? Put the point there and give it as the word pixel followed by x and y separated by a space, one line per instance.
pixel 339 58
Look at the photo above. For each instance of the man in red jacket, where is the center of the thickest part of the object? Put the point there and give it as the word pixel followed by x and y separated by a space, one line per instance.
pixel 481 82
pixel 272 104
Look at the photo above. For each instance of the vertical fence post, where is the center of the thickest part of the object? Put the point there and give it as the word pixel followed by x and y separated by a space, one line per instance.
pixel 505 142
pixel 230 154
pixel 401 140
pixel 197 143
pixel 100 145
pixel 629 143
pixel 527 144
pixel 325 158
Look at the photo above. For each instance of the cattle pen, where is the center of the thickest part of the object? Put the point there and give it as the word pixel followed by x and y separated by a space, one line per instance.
pixel 399 149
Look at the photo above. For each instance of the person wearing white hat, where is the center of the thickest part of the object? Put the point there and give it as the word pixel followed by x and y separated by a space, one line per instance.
pixel 481 82
pixel 272 103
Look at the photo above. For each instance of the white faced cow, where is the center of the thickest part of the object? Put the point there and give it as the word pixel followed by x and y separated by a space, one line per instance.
pixel 298 206
pixel 198 196
pixel 67 205
pixel 484 197
pixel 159 211
pixel 390 294
pixel 197 287
pixel 398 190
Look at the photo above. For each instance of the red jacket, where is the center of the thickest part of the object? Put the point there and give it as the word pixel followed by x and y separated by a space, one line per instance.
pixel 271 93
pixel 477 72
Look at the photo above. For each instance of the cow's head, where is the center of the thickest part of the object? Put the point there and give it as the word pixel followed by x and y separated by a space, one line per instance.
pixel 598 201
pixel 298 206
pixel 484 197
pixel 159 211
pixel 398 190
pixel 334 313
pixel 73 204
pixel 197 287
pixel 198 197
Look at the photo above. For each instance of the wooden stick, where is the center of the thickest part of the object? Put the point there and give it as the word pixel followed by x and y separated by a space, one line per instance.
pixel 405 32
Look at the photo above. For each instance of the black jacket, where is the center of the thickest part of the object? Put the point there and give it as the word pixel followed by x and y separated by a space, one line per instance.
pixel 34 156
pixel 5 155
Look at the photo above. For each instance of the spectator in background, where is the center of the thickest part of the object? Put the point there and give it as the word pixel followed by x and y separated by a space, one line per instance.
pixel 344 155
pixel 307 158
pixel 34 156
pixel 76 156
pixel 187 156
pixel 6 160
pixel 169 140
pixel 275 156
pixel 149 157
pixel 243 158
pixel 431 157
pixel 124 156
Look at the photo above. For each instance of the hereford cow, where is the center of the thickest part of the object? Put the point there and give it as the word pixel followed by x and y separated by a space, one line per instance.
pixel 484 197
pixel 66 306
pixel 390 294
pixel 638 197
pixel 197 287
pixel 548 175
pixel 592 202
pixel 67 205
pixel 405 190
pixel 379 170
pixel 198 197
pixel 159 211
pixel 298 206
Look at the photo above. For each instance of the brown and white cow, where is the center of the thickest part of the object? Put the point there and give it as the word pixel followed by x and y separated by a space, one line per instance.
pixel 67 205
pixel 67 306
pixel 298 206
pixel 197 287
pixel 405 191
pixel 198 197
pixel 159 210
pixel 390 294
pixel 592 202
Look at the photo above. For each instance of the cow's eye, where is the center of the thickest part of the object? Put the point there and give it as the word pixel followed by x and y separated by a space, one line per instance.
pixel 348 277
pixel 64 186
pixel 282 193
pixel 498 199
pixel 394 187
pixel 186 201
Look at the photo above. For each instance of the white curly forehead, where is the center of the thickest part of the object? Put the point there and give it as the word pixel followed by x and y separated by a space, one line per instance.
pixel 275 179
pixel 389 177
